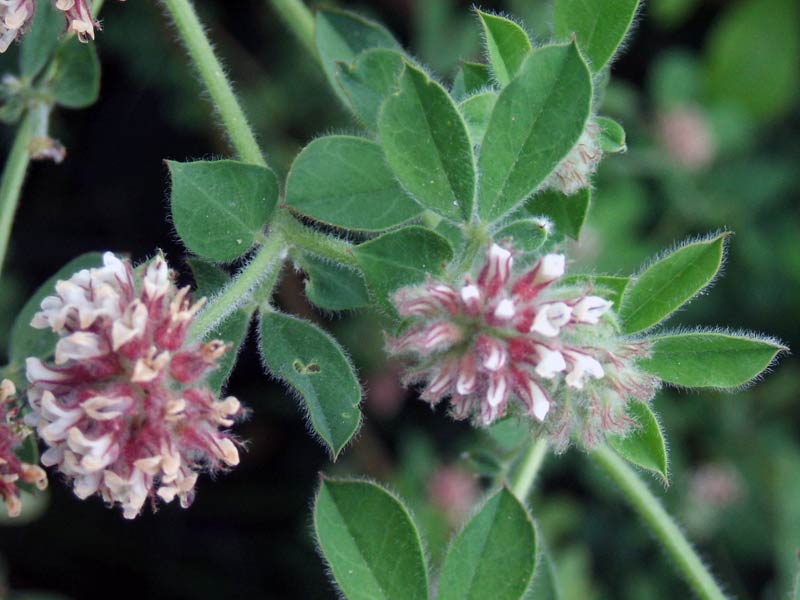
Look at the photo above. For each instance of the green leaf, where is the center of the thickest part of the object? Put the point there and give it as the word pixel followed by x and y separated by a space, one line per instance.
pixel 671 282
pixel 537 120
pixel 477 110
pixel 709 359
pixel 757 72
pixel 609 287
pixel 344 181
pixel 219 208
pixel 40 42
pixel 612 135
pixel 471 78
pixel 494 556
pixel 545 582
pixel 428 147
pixel 26 341
pixel 507 45
pixel 341 36
pixel 528 235
pixel 333 287
pixel 315 366
pixel 77 80
pixel 402 257
pixel 568 213
pixel 370 542
pixel 644 446
pixel 209 279
pixel 369 81
pixel 599 27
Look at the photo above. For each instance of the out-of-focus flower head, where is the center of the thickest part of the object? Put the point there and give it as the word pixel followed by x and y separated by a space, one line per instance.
pixel 125 410
pixel 12 469
pixel 550 349
pixel 685 135
pixel 16 17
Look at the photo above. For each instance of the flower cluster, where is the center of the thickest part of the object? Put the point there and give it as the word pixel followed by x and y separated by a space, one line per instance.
pixel 553 348
pixel 12 469
pixel 16 16
pixel 574 172
pixel 125 410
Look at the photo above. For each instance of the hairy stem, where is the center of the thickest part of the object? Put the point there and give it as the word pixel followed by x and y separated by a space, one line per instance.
pixel 300 20
pixel 266 261
pixel 322 245
pixel 213 76
pixel 529 467
pixel 11 183
pixel 664 528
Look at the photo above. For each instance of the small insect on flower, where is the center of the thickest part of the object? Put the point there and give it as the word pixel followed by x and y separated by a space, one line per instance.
pixel 12 469
pixel 125 410
pixel 531 340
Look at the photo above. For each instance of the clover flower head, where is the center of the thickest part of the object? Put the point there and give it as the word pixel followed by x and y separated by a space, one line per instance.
pixel 124 409
pixel 530 341
pixel 15 18
pixel 575 171
pixel 13 470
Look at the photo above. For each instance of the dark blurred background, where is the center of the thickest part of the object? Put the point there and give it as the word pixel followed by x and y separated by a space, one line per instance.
pixel 707 91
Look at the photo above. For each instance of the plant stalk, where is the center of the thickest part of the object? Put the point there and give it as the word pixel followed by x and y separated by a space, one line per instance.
pixel 12 179
pixel 266 261
pixel 299 19
pixel 531 463
pixel 211 72
pixel 668 533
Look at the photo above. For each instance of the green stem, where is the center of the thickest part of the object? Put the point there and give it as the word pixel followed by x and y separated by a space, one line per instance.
pixel 664 528
pixel 529 467
pixel 213 75
pixel 266 261
pixel 11 183
pixel 300 20
pixel 322 245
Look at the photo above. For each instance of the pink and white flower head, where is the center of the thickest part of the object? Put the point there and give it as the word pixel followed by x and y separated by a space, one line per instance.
pixel 13 470
pixel 125 410
pixel 79 18
pixel 15 17
pixel 525 340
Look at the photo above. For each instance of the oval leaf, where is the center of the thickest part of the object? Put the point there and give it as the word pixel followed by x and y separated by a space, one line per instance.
pixel 369 81
pixel 710 359
pixel 77 80
pixel 341 36
pixel 507 45
pixel 494 556
pixel 670 283
pixel 644 446
pixel 612 135
pixel 401 258
pixel 568 213
pixel 315 366
pixel 537 120
pixel 599 27
pixel 344 181
pixel 527 235
pixel 471 78
pixel 428 147
pixel 26 341
pixel 333 287
pixel 370 542
pixel 41 40
pixel 477 111
pixel 220 207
